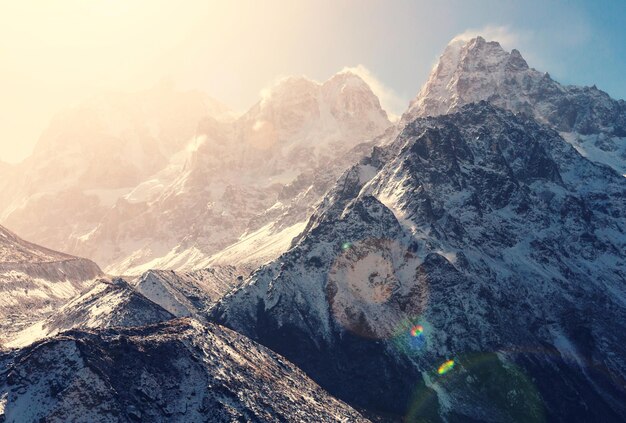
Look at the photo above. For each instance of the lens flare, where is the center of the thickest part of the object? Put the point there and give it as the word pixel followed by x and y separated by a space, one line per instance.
pixel 417 330
pixel 410 337
pixel 445 367
pixel 374 285
pixel 492 379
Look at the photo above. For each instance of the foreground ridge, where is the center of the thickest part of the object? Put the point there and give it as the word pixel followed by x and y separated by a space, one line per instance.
pixel 179 371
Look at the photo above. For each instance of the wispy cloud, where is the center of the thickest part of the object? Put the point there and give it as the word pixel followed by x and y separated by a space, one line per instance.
pixel 393 103
pixel 506 36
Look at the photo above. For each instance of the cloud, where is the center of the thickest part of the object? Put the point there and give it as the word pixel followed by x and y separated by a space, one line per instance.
pixel 507 37
pixel 393 104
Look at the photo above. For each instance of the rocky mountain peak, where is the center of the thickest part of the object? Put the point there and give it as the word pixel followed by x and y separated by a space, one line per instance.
pixel 516 60
pixel 451 80
pixel 473 70
pixel 348 79
pixel 288 87
pixel 299 119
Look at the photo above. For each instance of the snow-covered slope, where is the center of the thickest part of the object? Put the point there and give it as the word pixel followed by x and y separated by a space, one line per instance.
pixel 156 296
pixel 480 237
pixel 110 303
pixel 473 70
pixel 186 294
pixel 235 175
pixel 179 371
pixel 286 219
pixel 34 280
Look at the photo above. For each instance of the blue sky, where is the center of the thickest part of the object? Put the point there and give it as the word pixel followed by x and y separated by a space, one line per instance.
pixel 577 42
pixel 56 54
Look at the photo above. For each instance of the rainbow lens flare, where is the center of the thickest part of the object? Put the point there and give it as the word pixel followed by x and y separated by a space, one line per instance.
pixel 346 246
pixel 417 330
pixel 445 367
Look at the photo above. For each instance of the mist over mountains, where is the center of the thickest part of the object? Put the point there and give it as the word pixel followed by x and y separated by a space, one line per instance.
pixel 123 179
pixel 311 260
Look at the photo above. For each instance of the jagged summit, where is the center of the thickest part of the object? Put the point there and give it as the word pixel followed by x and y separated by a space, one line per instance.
pixel 349 78
pixel 343 94
pixel 448 86
pixel 303 84
pixel 289 85
pixel 472 70
pixel 295 103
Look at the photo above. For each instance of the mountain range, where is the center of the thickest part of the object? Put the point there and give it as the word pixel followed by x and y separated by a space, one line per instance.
pixel 487 229
pixel 310 260
pixel 180 182
pixel 477 227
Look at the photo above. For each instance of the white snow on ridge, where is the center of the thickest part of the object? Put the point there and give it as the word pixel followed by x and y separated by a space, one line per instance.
pixel 34 281
pixel 599 148
pixel 258 247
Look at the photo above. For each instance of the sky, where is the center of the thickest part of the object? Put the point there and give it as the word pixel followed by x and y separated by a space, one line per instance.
pixel 55 54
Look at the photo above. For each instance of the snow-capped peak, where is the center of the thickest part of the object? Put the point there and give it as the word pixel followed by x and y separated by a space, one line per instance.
pixel 292 86
pixel 474 70
pixel 445 89
pixel 314 98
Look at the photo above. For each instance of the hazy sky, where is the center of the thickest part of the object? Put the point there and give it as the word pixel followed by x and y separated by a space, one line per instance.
pixel 55 53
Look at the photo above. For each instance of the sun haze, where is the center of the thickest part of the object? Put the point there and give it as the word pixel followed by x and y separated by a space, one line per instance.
pixel 55 54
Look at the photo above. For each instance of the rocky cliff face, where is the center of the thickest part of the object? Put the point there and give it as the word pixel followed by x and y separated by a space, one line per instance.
pixel 479 237
pixel 156 296
pixel 179 371
pixel 186 294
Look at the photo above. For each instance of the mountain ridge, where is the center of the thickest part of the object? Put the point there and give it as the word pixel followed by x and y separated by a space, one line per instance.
pixel 461 211
pixel 34 280
pixel 179 371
